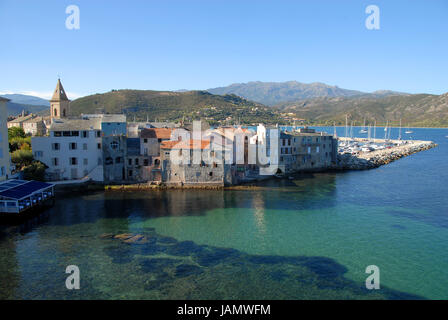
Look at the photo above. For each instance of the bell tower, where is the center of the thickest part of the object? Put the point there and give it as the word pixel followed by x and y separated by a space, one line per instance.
pixel 60 105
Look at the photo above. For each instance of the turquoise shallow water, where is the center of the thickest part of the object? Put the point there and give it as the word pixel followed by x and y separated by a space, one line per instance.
pixel 307 238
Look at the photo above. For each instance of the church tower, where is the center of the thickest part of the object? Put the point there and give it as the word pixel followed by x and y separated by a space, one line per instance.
pixel 60 105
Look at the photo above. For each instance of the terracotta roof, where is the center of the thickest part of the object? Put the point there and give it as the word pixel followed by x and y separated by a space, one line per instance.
pixel 190 144
pixel 157 133
pixel 59 93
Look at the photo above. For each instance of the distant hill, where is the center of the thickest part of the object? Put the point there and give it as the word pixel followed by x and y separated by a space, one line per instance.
pixel 272 93
pixel 26 99
pixel 28 103
pixel 416 109
pixel 174 106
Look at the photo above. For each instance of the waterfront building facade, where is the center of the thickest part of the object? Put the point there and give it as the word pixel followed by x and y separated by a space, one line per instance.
pixel 72 150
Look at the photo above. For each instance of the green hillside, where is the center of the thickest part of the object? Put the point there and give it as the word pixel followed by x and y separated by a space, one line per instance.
pixel 173 106
pixel 416 110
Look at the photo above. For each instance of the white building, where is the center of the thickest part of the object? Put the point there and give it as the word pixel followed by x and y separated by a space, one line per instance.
pixel 5 159
pixel 73 149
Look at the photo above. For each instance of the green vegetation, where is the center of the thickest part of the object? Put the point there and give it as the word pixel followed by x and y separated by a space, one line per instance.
pixel 177 106
pixel 414 109
pixel 22 155
pixel 35 171
pixel 16 132
pixel 418 110
pixel 22 158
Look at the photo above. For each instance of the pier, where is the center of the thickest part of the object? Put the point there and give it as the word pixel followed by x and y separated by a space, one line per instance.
pixel 393 150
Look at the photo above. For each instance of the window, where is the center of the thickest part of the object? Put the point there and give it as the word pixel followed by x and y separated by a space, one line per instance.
pixel 145 162
pixel 55 162
pixel 130 162
pixel 98 134
pixel 75 133
pixel 109 161
pixel 309 149
pixel 55 146
pixel 72 146
pixel 57 134
pixel 73 161
pixel 145 140
pixel 85 134
pixel 86 161
pixel 55 112
pixel 118 160
pixel 317 149
pixel 114 145
pixel 136 161
pixel 289 142
pixel 98 145
pixel 84 146
pixel 130 173
pixel 159 140
pixel 66 133
pixel 38 154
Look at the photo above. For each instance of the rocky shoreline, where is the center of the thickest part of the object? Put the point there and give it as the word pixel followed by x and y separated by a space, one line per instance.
pixel 375 159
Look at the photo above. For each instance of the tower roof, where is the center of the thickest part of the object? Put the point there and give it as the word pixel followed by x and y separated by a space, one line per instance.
pixel 59 93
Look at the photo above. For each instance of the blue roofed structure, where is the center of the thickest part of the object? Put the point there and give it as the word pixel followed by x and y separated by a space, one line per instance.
pixel 19 195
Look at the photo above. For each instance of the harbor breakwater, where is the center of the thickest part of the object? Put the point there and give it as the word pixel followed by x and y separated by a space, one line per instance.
pixel 374 159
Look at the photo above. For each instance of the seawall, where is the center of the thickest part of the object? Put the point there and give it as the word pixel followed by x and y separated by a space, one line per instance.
pixel 374 159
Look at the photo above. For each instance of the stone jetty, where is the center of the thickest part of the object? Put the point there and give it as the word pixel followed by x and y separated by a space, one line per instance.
pixel 374 159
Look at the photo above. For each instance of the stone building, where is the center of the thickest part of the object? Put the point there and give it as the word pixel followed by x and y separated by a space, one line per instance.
pixel 312 150
pixel 191 162
pixel 59 103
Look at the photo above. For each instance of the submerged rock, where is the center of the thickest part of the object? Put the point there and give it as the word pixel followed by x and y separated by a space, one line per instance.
pixel 137 239
pixel 123 236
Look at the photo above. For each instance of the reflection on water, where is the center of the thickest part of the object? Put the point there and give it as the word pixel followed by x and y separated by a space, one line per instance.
pixel 310 237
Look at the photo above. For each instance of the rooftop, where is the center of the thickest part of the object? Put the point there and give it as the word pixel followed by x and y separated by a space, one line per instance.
pixel 76 124
pixel 188 144
pixel 59 93
pixel 156 133
pixel 22 119
pixel 20 189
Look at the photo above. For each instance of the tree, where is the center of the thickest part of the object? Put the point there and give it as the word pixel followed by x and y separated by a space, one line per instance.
pixel 35 171
pixel 16 132
pixel 22 158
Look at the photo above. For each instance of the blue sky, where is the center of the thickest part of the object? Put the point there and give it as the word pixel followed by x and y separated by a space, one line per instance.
pixel 200 44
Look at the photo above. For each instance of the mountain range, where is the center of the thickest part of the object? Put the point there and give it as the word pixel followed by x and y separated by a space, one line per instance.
pixel 255 102
pixel 19 102
pixel 273 93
